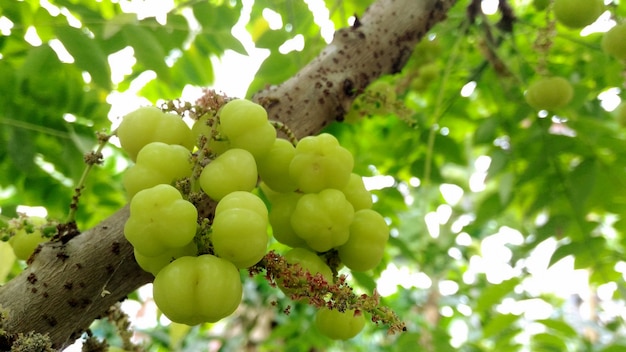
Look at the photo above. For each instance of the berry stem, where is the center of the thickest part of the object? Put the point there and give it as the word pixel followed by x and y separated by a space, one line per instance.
pixel 543 43
pixel 92 158
pixel 204 153
pixel 281 127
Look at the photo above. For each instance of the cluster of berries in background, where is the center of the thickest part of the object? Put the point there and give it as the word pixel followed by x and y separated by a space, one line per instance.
pixel 550 92
pixel 302 194
pixel 25 233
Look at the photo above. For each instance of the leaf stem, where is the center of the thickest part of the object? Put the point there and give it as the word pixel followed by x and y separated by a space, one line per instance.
pixel 438 113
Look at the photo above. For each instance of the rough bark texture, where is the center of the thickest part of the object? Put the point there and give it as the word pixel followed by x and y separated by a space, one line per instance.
pixel 379 43
pixel 68 285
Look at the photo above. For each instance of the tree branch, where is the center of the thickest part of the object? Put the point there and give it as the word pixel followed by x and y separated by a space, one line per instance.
pixel 68 285
pixel 379 43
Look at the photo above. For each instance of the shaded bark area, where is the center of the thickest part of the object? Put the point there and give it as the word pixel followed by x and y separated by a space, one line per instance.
pixel 68 285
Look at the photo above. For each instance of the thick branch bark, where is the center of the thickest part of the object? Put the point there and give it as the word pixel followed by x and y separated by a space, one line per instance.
pixel 69 285
pixel 379 43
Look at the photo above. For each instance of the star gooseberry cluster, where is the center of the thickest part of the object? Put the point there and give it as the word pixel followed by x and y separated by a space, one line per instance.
pixel 317 206
pixel 25 233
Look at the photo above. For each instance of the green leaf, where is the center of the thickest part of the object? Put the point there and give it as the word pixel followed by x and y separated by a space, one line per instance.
pixel 8 85
pixel 547 343
pixel 115 24
pixel 603 270
pixel 499 324
pixel 175 31
pixel 193 68
pixel 364 280
pixel 402 246
pixel 560 327
pixel 19 12
pixel 492 295
pixel 21 149
pixel 499 161
pixel 217 23
pixel 215 43
pixel 489 208
pixel 563 251
pixel 581 184
pixel 340 11
pixel 618 347
pixel 556 226
pixel 407 341
pixel 486 131
pixel 272 39
pixel 170 36
pixel 86 53
pixel 586 251
pixel 451 151
pixel 216 17
pixel 148 50
pixel 275 69
pixel 505 189
pixel 37 60
pixel 46 24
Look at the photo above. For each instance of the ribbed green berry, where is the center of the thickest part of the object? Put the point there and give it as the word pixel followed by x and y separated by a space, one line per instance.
pixel 150 124
pixel 549 93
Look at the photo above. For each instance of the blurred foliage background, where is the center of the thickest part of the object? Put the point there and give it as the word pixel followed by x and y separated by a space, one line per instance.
pixel 508 227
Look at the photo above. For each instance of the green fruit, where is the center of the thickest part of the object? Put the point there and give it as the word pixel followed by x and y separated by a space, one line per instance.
pixel 429 72
pixel 419 84
pixel 356 194
pixel 577 13
pixel 365 247
pixel 549 93
pixel 307 261
pixel 384 94
pixel 614 41
pixel 157 163
pixel 160 220
pixel 319 163
pixel 310 262
pixel 541 5
pixel 280 219
pixel 150 124
pixel 27 238
pixel 274 166
pixel 194 290
pixel 426 51
pixel 323 219
pixel 154 264
pixel 240 236
pixel 235 170
pixel 245 125
pixel 269 193
pixel 339 325
pixel 242 200
pixel 200 128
